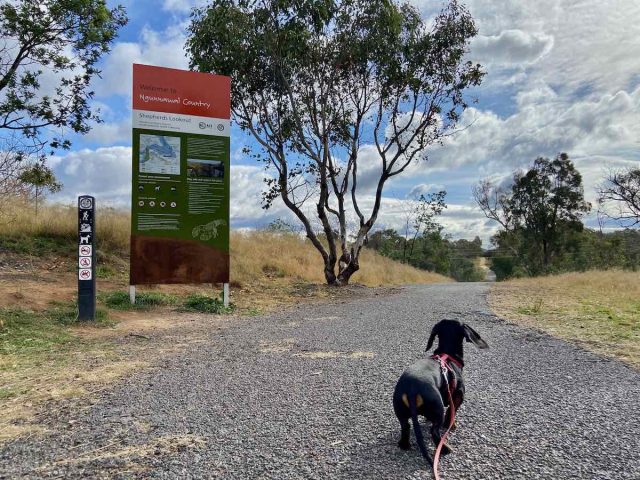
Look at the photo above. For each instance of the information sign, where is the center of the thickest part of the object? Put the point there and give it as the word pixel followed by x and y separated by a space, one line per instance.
pixel 180 194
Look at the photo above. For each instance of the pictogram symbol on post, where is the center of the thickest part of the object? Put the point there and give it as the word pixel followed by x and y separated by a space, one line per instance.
pixel 85 274
pixel 84 262
pixel 85 250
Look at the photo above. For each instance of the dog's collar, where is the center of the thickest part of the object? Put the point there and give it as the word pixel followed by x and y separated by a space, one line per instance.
pixel 445 358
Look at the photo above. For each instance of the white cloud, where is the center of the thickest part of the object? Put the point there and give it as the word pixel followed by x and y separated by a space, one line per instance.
pixel 511 47
pixel 164 48
pixel 601 126
pixel 424 189
pixel 182 6
pixel 104 173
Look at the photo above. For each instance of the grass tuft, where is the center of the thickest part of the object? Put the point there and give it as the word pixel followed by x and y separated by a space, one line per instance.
pixel 205 304
pixel 119 300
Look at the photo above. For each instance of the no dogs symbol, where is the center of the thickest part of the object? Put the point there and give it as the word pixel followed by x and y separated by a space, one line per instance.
pixel 84 274
pixel 85 262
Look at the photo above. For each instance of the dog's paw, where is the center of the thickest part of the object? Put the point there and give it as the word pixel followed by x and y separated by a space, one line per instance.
pixel 404 445
pixel 446 449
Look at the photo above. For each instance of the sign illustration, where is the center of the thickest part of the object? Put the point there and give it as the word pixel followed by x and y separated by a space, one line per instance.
pixel 180 177
pixel 85 274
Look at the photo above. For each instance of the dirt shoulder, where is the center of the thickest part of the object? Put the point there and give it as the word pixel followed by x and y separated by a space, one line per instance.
pixel 598 310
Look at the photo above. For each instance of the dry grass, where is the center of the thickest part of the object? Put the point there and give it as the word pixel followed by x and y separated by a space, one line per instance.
pixel 255 255
pixel 17 219
pixel 598 310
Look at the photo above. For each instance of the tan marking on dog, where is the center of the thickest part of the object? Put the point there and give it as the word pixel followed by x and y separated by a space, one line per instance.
pixel 419 401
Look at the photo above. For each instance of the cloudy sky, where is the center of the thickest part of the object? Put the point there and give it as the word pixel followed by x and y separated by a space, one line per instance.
pixel 563 76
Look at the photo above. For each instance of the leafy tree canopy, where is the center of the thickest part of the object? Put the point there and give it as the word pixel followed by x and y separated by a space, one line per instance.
pixel 314 80
pixel 541 205
pixel 48 55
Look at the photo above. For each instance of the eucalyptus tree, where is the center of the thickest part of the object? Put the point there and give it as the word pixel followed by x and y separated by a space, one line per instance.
pixel 540 206
pixel 317 83
pixel 48 55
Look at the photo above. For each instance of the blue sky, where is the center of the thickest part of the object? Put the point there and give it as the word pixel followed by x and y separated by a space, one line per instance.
pixel 563 75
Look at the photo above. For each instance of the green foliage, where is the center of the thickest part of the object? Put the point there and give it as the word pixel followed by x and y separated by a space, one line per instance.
pixel 205 304
pixel 465 270
pixel 577 251
pixel 119 300
pixel 546 202
pixel 433 252
pixel 40 179
pixel 503 267
pixel 541 210
pixel 48 60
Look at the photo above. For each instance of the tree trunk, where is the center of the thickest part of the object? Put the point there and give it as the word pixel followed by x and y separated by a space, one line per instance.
pixel 329 273
pixel 352 267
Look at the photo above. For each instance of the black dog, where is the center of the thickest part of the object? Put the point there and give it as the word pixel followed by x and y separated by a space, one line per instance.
pixel 422 389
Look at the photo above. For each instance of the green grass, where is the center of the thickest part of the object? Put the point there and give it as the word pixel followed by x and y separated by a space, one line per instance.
pixel 39 245
pixel 205 304
pixel 534 309
pixel 119 300
pixel 27 332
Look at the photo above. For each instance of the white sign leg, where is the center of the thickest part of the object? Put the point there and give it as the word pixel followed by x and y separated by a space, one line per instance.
pixel 225 294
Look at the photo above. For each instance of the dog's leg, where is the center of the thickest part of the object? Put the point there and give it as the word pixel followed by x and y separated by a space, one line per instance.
pixel 457 401
pixel 403 414
pixel 405 431
pixel 435 434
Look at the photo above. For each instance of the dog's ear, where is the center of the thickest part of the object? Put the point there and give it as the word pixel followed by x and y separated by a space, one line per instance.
pixel 474 337
pixel 434 332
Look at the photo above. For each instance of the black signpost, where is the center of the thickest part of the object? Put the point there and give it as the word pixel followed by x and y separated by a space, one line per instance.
pixel 86 258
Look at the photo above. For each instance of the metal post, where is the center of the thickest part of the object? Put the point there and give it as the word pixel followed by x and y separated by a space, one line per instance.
pixel 132 294
pixel 86 258
pixel 225 294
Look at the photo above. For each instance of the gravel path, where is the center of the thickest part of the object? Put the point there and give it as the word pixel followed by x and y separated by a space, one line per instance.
pixel 306 394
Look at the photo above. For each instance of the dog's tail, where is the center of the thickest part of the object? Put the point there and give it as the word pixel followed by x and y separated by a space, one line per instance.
pixel 417 429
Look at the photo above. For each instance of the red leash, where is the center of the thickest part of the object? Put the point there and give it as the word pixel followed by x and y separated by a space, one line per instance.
pixel 443 358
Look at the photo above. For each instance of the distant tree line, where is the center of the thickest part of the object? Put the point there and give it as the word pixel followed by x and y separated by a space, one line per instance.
pixel 433 251
pixel 422 243
pixel 540 214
